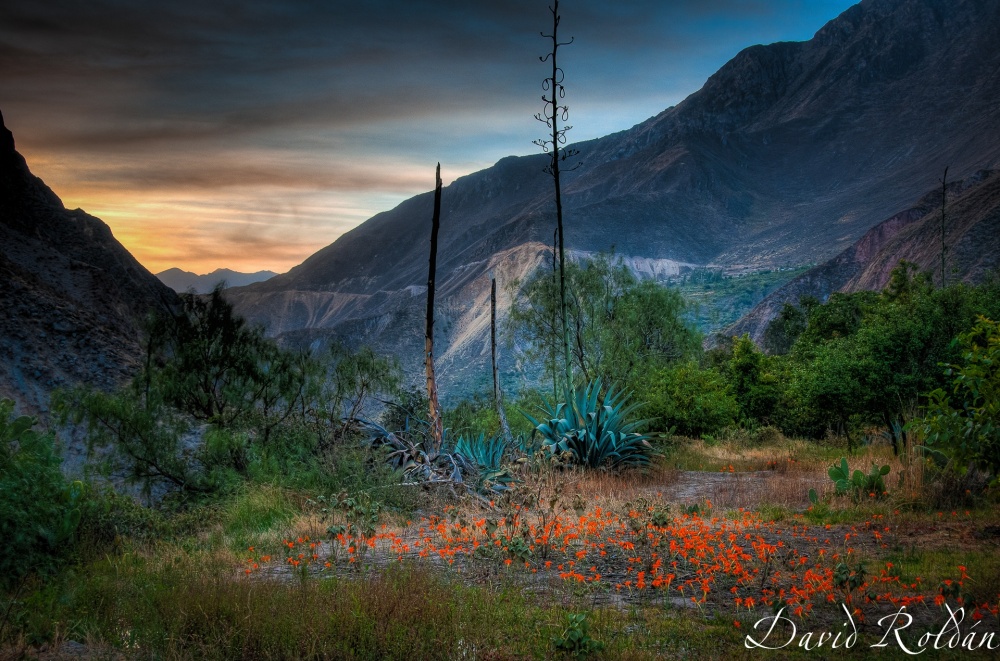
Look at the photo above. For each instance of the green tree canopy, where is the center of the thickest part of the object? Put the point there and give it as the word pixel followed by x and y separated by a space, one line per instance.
pixel 619 326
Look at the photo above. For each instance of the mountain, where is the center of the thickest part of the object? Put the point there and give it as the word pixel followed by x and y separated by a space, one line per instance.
pixel 786 156
pixel 73 298
pixel 183 281
pixel 972 236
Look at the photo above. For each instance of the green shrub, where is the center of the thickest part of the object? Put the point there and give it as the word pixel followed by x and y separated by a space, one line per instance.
pixel 689 400
pixel 963 422
pixel 576 639
pixel 39 509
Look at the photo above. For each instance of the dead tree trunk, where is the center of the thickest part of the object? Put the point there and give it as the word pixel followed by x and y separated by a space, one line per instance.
pixel 555 111
pixel 497 392
pixel 944 248
pixel 434 420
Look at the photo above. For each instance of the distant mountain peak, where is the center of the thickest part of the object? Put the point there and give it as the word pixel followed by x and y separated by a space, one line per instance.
pixel 183 281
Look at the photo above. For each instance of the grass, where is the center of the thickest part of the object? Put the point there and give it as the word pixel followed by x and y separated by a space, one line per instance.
pixel 178 590
pixel 191 608
pixel 254 516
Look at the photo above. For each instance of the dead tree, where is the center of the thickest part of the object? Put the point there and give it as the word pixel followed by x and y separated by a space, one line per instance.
pixel 434 421
pixel 497 392
pixel 554 112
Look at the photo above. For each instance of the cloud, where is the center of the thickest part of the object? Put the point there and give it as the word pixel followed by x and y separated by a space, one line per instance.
pixel 174 107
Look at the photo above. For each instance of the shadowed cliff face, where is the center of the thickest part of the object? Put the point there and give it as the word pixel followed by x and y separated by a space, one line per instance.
pixel 786 156
pixel 972 235
pixel 73 298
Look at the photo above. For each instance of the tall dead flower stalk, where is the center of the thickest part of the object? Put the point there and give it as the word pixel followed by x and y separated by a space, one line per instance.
pixel 434 421
pixel 553 112
pixel 497 392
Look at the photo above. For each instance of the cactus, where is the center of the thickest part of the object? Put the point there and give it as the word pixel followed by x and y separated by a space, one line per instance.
pixel 858 484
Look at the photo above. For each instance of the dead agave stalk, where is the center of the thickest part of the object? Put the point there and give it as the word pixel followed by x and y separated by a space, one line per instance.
pixel 497 392
pixel 434 421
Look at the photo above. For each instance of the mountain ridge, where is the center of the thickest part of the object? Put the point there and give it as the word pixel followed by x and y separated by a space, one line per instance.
pixel 972 234
pixel 182 281
pixel 74 298
pixel 786 156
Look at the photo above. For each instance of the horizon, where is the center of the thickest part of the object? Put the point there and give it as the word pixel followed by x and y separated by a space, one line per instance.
pixel 249 142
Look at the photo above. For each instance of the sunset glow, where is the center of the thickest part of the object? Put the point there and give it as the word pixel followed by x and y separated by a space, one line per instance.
pixel 209 139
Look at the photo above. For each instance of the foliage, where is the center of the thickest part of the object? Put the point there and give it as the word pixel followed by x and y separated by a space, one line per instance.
pixel 781 333
pixel 486 454
pixel 576 639
pixel 858 484
pixel 343 387
pixel 407 408
pixel 146 436
pixel 752 381
pixel 591 429
pixel 619 326
pixel 217 403
pixel 360 513
pixel 211 365
pixel 963 422
pixel 39 509
pixel 866 358
pixel 474 416
pixel 689 400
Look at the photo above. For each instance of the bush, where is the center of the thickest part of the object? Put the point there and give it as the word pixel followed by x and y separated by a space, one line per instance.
pixel 690 401
pixel 39 509
pixel 963 422
pixel 752 382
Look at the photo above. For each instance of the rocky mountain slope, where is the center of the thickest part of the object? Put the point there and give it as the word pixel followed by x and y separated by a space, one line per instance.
pixel 73 298
pixel 972 235
pixel 786 156
pixel 182 281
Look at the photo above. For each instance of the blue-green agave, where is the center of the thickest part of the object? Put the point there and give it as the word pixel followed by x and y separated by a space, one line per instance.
pixel 594 430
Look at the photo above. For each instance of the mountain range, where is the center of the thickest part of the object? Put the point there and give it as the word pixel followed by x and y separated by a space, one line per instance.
pixel 183 281
pixel 826 152
pixel 787 155
pixel 971 209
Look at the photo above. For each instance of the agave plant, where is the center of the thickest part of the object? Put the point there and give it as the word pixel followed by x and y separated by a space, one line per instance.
pixel 593 430
pixel 406 452
pixel 486 454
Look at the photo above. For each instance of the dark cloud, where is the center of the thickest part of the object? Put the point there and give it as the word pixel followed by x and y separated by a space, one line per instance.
pixel 329 95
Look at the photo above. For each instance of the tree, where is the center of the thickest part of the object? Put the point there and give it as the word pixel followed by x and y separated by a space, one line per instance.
pixel 754 386
pixel 781 333
pixel 216 400
pixel 619 326
pixel 871 356
pixel 211 365
pixel 552 114
pixel 343 386
pixel 689 400
pixel 963 419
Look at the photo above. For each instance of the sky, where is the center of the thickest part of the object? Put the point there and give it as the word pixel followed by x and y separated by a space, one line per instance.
pixel 249 134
